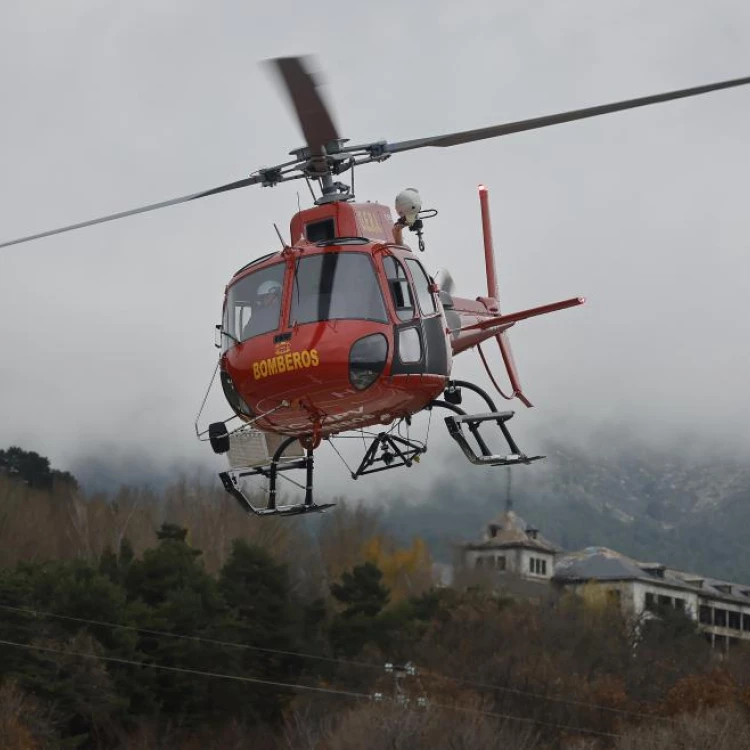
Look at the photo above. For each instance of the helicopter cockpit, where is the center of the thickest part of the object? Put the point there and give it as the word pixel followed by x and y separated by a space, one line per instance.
pixel 254 304
pixel 322 287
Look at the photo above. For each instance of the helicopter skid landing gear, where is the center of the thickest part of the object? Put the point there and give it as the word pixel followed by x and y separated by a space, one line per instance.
pixel 484 457
pixel 232 484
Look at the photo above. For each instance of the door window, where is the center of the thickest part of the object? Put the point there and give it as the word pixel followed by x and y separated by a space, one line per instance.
pixel 400 288
pixel 422 287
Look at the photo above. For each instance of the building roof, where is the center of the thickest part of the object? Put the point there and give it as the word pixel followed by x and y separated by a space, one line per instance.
pixel 510 530
pixel 599 563
pixel 603 564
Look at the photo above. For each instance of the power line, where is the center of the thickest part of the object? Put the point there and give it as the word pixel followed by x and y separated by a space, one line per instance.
pixel 329 659
pixel 524 720
pixel 289 685
pixel 195 638
pixel 184 670
pixel 541 696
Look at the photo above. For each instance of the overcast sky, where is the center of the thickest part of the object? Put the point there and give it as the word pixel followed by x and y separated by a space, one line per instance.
pixel 107 333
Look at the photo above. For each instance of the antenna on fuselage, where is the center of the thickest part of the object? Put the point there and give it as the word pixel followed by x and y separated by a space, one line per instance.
pixel 284 246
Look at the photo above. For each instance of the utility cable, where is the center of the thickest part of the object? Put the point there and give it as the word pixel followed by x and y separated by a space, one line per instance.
pixel 524 719
pixel 329 659
pixel 541 696
pixel 289 685
pixel 183 670
pixel 194 638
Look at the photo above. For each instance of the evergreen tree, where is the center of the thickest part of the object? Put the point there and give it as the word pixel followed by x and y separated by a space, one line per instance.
pixel 361 591
pixel 31 468
pixel 172 593
pixel 256 589
pixel 360 622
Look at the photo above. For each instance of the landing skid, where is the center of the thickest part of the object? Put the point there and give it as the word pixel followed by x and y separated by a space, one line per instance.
pixel 386 451
pixel 232 481
pixel 484 456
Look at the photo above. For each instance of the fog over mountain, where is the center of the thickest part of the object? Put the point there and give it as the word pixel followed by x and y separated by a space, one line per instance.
pixel 685 510
pixel 686 505
pixel 107 333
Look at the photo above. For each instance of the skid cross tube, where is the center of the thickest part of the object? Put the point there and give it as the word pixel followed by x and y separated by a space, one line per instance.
pixel 231 481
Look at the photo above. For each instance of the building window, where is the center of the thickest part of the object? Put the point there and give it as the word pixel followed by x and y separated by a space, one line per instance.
pixel 720 618
pixel 500 560
pixel 538 566
pixel 746 623
pixel 735 620
pixel 650 601
pixel 679 604
pixel 704 615
pixel 657 571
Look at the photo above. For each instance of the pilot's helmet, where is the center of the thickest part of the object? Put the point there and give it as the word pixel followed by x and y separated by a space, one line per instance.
pixel 269 291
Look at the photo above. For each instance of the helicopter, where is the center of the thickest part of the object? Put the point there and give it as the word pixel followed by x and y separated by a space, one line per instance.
pixel 344 329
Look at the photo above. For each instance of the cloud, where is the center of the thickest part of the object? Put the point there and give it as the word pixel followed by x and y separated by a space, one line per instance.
pixel 107 333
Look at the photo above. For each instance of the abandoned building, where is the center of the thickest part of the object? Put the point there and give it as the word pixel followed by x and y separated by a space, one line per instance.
pixel 511 551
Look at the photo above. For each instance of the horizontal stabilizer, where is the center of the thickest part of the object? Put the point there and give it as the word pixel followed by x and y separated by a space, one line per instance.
pixel 501 321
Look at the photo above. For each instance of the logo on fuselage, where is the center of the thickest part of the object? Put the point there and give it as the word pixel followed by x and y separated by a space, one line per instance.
pixel 285 362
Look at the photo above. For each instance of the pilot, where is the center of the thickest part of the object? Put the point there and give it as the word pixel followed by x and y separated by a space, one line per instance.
pixel 266 310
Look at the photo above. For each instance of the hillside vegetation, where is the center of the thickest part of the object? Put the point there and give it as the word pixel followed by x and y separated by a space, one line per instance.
pixel 172 620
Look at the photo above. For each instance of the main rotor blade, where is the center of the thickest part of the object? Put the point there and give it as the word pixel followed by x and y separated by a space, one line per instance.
pixel 312 113
pixel 143 209
pixel 494 131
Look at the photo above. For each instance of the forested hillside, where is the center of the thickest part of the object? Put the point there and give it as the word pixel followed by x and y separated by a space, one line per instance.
pixel 172 620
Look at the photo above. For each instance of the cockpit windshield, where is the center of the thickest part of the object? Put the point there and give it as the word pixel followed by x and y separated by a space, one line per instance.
pixel 336 286
pixel 254 303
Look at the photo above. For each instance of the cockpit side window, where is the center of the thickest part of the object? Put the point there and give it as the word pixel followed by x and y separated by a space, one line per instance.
pixel 422 287
pixel 254 303
pixel 398 283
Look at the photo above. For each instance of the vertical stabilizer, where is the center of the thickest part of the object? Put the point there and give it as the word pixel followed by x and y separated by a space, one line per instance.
pixel 493 295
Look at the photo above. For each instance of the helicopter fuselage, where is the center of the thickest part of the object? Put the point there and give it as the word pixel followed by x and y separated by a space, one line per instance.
pixel 359 334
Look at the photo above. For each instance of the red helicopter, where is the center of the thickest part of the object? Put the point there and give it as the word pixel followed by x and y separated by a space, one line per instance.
pixel 343 328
